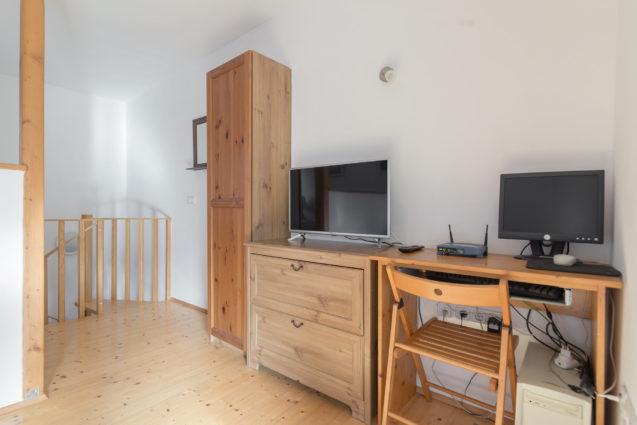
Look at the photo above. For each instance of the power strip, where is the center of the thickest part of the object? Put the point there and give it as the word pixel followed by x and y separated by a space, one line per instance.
pixel 470 313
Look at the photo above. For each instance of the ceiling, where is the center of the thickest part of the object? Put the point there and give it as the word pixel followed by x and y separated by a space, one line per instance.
pixel 119 48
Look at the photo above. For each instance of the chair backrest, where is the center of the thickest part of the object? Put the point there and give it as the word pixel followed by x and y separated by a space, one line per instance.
pixel 496 295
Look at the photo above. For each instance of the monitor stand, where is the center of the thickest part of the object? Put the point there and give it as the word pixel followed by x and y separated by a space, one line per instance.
pixel 537 250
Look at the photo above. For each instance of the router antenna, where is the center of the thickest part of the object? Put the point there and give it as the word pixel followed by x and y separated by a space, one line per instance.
pixel 486 236
pixel 450 235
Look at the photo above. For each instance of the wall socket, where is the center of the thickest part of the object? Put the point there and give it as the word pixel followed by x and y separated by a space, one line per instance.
pixel 454 313
pixel 627 412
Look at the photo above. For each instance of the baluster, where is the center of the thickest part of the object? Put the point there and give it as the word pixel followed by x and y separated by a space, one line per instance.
pixel 127 263
pixel 81 270
pixel 100 267
pixel 155 263
pixel 168 242
pixel 61 272
pixel 140 262
pixel 114 259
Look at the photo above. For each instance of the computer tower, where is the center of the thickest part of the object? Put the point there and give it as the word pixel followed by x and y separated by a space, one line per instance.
pixel 542 397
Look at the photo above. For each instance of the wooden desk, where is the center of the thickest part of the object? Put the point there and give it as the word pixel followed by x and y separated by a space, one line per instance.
pixel 591 293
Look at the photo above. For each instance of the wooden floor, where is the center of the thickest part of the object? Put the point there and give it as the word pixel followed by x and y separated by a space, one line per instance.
pixel 153 364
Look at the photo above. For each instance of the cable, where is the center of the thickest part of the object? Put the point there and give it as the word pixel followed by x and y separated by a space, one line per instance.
pixel 351 238
pixel 525 247
pixel 524 318
pixel 528 317
pixel 460 402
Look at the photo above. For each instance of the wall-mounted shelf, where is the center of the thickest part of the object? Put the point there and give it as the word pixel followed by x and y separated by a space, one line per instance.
pixel 198 167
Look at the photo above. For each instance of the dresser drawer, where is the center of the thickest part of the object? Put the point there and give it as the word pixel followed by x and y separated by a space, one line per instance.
pixel 319 356
pixel 326 294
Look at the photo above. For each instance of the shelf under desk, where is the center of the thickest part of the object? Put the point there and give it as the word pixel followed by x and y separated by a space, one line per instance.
pixel 589 301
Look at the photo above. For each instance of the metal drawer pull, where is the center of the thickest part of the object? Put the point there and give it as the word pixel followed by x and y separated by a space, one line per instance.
pixel 297 325
pixel 295 268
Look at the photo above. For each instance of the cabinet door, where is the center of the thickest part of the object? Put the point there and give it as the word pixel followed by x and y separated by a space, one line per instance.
pixel 229 136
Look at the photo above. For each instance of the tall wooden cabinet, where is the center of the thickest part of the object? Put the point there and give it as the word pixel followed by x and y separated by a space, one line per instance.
pixel 249 132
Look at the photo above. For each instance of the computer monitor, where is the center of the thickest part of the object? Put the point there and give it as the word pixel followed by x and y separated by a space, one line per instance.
pixel 550 209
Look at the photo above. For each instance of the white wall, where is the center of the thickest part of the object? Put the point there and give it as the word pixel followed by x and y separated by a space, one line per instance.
pixel 482 88
pixel 84 163
pixel 11 192
pixel 624 251
pixel 85 173
pixel 9 120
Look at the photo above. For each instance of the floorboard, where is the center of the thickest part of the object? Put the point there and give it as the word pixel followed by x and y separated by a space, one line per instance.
pixel 145 363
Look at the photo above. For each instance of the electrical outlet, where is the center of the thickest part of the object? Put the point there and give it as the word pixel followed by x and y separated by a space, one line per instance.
pixel 626 409
pixel 473 314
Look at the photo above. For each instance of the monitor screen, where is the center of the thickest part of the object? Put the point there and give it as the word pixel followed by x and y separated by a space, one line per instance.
pixel 347 199
pixel 559 206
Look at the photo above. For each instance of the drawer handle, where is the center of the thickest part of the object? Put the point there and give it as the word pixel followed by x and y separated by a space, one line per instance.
pixel 295 268
pixel 297 325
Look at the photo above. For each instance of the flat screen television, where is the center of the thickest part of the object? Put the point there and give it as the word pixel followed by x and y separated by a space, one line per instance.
pixel 552 208
pixel 345 199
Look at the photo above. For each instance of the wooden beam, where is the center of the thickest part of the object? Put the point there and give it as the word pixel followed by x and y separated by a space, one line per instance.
pixel 32 156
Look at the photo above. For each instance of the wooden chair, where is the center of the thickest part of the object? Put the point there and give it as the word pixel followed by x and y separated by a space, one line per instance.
pixel 486 353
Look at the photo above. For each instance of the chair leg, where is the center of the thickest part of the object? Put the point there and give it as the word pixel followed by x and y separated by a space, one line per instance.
pixel 422 376
pixel 512 373
pixel 389 373
pixel 502 376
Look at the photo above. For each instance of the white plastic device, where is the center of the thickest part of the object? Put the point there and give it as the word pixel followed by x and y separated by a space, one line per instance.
pixel 542 397
pixel 564 260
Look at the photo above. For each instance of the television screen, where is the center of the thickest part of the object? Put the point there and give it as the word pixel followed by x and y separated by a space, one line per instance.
pixel 565 206
pixel 346 199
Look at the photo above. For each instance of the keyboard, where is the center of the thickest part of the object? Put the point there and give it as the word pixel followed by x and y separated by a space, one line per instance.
pixel 530 291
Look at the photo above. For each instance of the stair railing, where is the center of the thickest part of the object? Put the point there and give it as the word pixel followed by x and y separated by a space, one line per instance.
pixel 88 227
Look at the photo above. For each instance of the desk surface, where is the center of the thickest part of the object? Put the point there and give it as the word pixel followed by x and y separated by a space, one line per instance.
pixel 495 265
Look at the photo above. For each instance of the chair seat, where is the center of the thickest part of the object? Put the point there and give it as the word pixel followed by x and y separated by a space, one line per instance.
pixel 471 349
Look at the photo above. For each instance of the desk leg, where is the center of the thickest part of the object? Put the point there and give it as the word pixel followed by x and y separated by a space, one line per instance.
pixel 404 369
pixel 599 352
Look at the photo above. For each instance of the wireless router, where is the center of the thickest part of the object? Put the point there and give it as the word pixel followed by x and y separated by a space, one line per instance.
pixel 464 249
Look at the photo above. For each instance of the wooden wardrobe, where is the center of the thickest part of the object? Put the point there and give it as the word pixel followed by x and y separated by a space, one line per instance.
pixel 249 132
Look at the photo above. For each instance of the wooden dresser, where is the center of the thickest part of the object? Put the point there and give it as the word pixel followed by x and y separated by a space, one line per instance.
pixel 312 317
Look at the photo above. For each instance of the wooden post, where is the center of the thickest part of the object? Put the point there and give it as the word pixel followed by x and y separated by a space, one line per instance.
pixel 81 270
pixel 46 290
pixel 127 263
pixel 114 259
pixel 61 272
pixel 88 258
pixel 100 267
pixel 140 262
pixel 155 262
pixel 32 155
pixel 168 242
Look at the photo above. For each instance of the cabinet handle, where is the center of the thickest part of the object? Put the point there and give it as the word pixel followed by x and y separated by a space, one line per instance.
pixel 297 325
pixel 295 268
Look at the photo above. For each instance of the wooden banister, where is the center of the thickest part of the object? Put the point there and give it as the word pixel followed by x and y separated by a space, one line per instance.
pixel 87 225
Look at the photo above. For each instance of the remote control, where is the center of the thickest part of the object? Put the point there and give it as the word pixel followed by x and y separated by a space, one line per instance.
pixel 410 248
